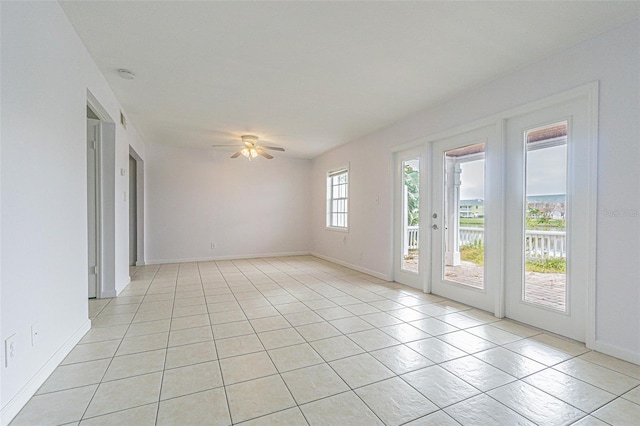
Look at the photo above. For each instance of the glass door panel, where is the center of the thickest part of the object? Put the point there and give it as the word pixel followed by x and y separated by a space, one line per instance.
pixel 408 262
pixel 545 247
pixel 464 215
pixel 411 214
pixel 465 218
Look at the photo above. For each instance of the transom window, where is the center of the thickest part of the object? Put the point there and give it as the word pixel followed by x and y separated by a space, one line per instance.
pixel 338 198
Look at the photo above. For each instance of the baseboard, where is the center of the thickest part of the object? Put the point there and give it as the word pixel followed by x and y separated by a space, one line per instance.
pixel 616 351
pixel 16 403
pixel 354 267
pixel 232 257
pixel 140 263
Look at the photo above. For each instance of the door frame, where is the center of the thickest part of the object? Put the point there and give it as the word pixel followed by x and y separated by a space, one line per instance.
pixel 97 207
pixel 106 166
pixel 588 93
pixel 139 206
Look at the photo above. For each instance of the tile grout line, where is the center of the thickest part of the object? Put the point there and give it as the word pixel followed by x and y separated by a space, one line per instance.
pixel 166 350
pixel 329 286
pixel 111 360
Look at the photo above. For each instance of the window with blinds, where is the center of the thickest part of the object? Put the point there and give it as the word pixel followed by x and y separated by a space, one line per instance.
pixel 338 198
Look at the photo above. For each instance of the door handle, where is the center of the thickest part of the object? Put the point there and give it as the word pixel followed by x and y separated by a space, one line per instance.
pixel 434 226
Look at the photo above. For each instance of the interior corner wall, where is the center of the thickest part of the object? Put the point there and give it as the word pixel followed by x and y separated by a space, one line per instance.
pixel 613 59
pixel 199 197
pixel 45 74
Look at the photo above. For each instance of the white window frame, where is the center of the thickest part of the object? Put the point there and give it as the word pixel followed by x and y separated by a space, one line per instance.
pixel 331 174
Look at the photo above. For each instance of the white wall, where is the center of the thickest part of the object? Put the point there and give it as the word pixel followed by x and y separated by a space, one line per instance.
pixel 195 197
pixel 364 247
pixel 612 58
pixel 46 72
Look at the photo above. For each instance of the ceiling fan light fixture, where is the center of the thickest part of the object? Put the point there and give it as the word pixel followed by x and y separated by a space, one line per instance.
pixel 250 139
pixel 249 152
pixel 251 149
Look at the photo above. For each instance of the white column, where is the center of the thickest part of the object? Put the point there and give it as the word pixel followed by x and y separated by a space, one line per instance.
pixel 452 253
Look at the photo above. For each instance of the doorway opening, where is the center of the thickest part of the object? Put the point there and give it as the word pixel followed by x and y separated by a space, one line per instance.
pixel 93 203
pixel 136 210
pixel 133 213
pixel 101 160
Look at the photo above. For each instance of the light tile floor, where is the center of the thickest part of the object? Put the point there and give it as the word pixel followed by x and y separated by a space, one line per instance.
pixel 298 340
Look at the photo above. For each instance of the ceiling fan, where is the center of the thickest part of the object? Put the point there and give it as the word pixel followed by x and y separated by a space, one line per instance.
pixel 251 148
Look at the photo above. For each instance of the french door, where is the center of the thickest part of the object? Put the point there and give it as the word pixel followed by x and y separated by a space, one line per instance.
pixel 409 254
pixel 507 215
pixel 464 218
pixel 548 224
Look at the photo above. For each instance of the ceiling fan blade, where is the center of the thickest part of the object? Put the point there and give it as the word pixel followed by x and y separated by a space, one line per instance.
pixel 236 155
pixel 264 154
pixel 274 148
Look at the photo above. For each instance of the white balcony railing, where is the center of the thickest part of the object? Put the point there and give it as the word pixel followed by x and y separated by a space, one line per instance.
pixel 546 244
pixel 539 244
pixel 412 237
pixel 469 235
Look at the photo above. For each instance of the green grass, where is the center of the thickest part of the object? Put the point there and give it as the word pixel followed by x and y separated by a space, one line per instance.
pixel 472 221
pixel 555 265
pixel 475 253
pixel 547 224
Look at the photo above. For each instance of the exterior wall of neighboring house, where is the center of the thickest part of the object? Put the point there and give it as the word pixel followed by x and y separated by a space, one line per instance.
pixel 471 208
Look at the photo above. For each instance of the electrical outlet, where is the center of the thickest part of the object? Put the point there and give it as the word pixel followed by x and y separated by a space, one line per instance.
pixel 10 351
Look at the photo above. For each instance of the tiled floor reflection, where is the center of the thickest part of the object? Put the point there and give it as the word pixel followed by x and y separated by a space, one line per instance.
pixel 298 341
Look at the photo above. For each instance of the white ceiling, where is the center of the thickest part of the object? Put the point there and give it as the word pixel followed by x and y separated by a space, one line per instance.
pixel 309 76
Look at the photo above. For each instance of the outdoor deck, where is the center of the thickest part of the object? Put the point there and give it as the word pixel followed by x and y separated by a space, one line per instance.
pixel 547 289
